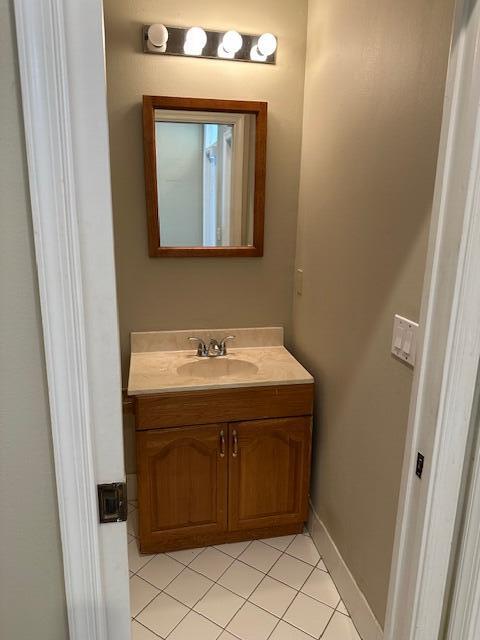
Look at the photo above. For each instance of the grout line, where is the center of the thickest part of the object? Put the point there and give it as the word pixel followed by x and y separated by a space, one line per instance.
pixel 147 628
pixel 225 629
pixel 273 630
pixel 167 585
pixel 149 603
pixel 314 600
pixel 191 610
pixel 327 625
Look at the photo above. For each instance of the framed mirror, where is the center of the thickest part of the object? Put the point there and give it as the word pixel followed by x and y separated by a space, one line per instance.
pixel 205 163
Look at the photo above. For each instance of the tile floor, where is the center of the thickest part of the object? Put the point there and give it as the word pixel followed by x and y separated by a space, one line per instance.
pixel 275 589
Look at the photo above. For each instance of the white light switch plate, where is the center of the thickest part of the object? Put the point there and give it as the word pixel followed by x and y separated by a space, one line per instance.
pixel 404 341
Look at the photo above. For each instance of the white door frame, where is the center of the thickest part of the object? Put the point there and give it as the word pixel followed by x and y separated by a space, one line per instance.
pixel 442 402
pixel 62 71
pixel 61 56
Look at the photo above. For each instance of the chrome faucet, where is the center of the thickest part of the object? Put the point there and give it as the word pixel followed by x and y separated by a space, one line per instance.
pixel 202 350
pixel 213 349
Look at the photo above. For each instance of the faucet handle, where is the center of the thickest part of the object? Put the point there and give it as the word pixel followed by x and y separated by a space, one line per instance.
pixel 202 347
pixel 223 345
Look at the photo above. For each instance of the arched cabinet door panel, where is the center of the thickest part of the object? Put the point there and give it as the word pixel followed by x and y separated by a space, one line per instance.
pixel 269 471
pixel 182 484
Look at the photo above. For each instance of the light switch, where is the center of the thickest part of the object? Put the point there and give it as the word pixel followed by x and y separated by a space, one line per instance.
pixel 398 338
pixel 407 343
pixel 404 342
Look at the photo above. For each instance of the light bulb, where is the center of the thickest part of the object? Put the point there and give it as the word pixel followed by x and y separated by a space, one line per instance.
pixel 221 53
pixel 267 44
pixel 196 38
pixel 232 42
pixel 158 35
pixel 256 55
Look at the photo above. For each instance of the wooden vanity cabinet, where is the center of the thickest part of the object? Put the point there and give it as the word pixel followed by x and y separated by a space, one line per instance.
pixel 227 480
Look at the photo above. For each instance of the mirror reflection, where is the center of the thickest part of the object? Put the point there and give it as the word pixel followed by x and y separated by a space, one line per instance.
pixel 205 165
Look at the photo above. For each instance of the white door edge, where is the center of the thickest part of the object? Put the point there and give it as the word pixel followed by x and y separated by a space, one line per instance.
pixel 61 59
pixel 445 378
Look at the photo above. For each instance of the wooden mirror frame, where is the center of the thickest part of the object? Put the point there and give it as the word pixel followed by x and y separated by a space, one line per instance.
pixel 259 110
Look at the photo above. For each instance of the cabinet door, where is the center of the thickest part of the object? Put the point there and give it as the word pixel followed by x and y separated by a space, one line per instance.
pixel 182 485
pixel 269 470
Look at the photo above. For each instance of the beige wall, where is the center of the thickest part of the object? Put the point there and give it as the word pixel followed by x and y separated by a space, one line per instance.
pixel 373 101
pixel 32 600
pixel 176 293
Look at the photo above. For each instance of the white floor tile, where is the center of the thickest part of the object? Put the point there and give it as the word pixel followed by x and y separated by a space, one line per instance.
pixel 273 596
pixel 321 587
pixel 185 556
pixel 227 636
pixel 132 523
pixel 321 565
pixel 219 605
pixel 130 538
pixel 308 615
pixel 241 579
pixel 162 615
pixel 194 626
pixel 252 623
pixel 280 543
pixel 141 633
pixel 290 571
pixel 340 628
pixel 188 587
pixel 233 549
pixel 261 556
pixel 161 571
pixel 211 563
pixel 285 631
pixel 303 548
pixel 342 608
pixel 141 593
pixel 131 507
pixel 136 560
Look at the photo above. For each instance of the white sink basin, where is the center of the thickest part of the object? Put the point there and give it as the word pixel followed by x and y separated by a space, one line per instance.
pixel 217 368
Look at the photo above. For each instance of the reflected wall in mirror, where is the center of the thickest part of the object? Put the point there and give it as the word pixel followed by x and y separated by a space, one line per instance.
pixel 204 176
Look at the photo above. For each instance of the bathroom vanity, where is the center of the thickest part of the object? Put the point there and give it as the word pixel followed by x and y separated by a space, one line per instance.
pixel 223 443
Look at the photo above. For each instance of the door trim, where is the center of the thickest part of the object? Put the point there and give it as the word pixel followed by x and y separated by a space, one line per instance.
pixel 442 401
pixel 61 60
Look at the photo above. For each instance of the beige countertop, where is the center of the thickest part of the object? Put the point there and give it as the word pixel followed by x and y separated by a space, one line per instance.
pixel 157 365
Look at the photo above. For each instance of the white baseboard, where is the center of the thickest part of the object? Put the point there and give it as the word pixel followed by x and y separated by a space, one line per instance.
pixel 131 486
pixel 356 603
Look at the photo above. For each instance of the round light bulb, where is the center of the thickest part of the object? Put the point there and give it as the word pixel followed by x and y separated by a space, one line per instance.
pixel 196 38
pixel 232 41
pixel 221 53
pixel 267 44
pixel 256 56
pixel 157 35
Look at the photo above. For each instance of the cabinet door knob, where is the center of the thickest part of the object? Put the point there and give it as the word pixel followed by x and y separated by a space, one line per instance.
pixel 222 443
pixel 235 444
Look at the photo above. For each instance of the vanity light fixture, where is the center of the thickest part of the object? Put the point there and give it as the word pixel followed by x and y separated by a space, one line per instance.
pixel 203 43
